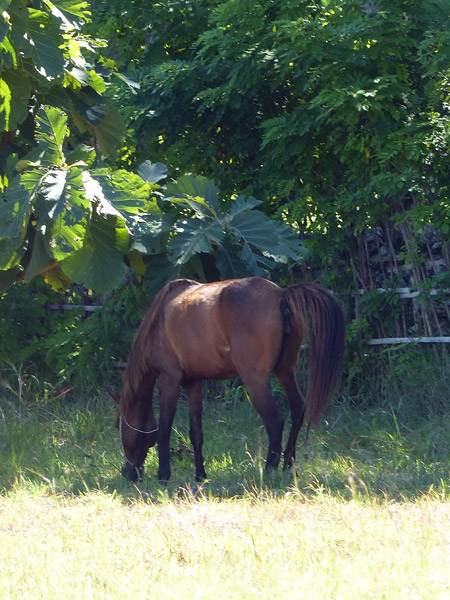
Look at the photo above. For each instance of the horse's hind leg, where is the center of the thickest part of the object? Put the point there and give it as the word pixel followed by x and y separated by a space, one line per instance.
pixel 195 393
pixel 288 381
pixel 264 403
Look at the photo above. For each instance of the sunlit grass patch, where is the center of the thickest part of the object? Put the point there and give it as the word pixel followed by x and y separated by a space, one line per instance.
pixel 101 545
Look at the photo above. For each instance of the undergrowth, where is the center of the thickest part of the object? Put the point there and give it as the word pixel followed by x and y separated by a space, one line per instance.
pixel 389 447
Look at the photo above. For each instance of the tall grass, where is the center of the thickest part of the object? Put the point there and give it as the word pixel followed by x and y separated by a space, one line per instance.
pixel 394 450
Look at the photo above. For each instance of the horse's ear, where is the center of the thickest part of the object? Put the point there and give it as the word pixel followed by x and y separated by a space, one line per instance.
pixel 114 395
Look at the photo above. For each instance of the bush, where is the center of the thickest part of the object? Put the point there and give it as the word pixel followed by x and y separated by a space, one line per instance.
pixel 72 346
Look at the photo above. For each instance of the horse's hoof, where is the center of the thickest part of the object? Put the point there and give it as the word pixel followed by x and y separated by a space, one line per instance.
pixel 132 472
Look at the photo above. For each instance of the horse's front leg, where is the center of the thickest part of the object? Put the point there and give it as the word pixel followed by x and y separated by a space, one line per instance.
pixel 168 397
pixel 195 392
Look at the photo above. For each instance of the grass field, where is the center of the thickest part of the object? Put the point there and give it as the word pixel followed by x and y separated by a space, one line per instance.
pixel 366 514
pixel 98 546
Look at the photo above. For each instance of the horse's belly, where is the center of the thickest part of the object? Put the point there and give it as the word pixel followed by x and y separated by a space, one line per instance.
pixel 207 363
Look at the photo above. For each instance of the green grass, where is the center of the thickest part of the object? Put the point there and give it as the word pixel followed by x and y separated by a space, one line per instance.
pixel 71 446
pixel 365 514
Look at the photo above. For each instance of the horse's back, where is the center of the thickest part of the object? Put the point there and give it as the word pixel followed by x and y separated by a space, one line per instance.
pixel 216 329
pixel 195 333
pixel 254 323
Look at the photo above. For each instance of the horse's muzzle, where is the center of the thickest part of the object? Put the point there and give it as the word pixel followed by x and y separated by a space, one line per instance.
pixel 132 472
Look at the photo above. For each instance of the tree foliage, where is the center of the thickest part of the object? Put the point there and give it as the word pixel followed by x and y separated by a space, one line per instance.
pixel 335 112
pixel 73 221
pixel 71 216
pixel 46 59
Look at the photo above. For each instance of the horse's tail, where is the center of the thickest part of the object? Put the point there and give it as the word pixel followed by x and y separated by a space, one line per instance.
pixel 326 339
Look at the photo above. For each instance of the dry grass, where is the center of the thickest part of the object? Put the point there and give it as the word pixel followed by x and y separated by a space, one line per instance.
pixel 98 546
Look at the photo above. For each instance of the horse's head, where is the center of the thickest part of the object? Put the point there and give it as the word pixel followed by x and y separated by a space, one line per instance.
pixel 137 436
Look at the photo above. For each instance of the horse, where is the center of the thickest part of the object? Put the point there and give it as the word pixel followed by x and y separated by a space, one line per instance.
pixel 247 328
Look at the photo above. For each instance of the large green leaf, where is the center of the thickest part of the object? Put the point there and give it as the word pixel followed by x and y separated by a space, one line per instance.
pixel 64 237
pixel 18 13
pixel 251 260
pixel 14 216
pixel 81 154
pixel 54 189
pixel 72 8
pixel 229 261
pixel 31 180
pixel 151 233
pixel 19 87
pixel 39 257
pixel 288 246
pixel 96 114
pixel 94 193
pixel 198 192
pixel 64 193
pixel 14 212
pixel 192 237
pixel 243 204
pixel 160 271
pixel 255 228
pixel 5 105
pixel 52 129
pixel 152 172
pixel 65 211
pixel 99 265
pixel 4 20
pixel 45 42
pixel 11 252
pixel 56 278
pixel 123 193
pixel 8 55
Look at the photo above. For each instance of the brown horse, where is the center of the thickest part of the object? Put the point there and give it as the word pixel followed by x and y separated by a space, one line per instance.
pixel 244 327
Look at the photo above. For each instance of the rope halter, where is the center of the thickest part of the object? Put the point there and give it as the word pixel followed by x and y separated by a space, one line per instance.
pixel 139 470
pixel 134 428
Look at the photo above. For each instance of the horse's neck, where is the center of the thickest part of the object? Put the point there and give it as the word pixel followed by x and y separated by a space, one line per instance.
pixel 138 390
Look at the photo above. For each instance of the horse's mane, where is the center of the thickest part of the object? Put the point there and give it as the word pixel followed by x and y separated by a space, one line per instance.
pixel 139 365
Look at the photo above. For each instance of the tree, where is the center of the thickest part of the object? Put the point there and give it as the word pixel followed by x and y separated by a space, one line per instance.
pixel 65 212
pixel 333 113
pixel 50 81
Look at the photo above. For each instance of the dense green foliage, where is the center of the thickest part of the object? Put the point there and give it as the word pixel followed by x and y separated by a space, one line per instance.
pixel 337 108
pixel 334 114
pixel 70 346
pixel 70 215
pixel 52 83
